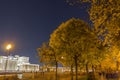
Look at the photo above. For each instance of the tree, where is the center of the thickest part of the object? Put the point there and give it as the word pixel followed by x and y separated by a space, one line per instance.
pixel 116 55
pixel 48 56
pixel 71 39
pixel 44 54
pixel 105 15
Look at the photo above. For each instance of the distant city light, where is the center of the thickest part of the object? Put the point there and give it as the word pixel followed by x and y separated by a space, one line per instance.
pixel 17 63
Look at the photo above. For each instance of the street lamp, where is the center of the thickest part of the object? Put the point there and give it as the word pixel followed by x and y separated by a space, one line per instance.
pixel 8 47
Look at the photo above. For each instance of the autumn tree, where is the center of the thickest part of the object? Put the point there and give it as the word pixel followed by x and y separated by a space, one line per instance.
pixel 73 38
pixel 103 13
pixel 43 53
pixel 105 16
pixel 47 56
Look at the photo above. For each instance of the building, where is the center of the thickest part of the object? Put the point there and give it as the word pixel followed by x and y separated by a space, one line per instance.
pixel 17 63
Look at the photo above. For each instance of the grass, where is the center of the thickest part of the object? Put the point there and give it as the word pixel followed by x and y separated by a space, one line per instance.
pixel 45 76
pixel 49 76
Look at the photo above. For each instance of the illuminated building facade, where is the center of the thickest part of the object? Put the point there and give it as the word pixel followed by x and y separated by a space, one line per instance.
pixel 17 63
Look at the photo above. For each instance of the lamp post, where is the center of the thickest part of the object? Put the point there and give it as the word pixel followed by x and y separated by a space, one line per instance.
pixel 8 47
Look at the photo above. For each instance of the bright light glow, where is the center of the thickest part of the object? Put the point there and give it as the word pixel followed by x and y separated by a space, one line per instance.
pixel 62 57
pixel 18 63
pixel 8 46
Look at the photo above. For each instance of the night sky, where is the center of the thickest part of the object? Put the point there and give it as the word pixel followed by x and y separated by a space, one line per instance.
pixel 28 23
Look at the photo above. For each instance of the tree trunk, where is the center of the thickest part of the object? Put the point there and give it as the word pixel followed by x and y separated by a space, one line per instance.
pixel 76 67
pixel 56 70
pixel 56 63
pixel 92 68
pixel 87 71
pixel 93 72
pixel 87 68
pixel 117 65
pixel 71 73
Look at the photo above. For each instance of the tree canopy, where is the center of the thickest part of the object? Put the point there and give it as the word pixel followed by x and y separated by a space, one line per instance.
pixel 75 40
pixel 105 16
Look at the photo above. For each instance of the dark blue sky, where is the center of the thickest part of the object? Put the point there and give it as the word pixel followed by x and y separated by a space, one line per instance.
pixel 29 23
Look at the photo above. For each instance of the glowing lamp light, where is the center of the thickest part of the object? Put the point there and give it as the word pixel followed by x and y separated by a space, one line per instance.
pixel 8 46
pixel 62 57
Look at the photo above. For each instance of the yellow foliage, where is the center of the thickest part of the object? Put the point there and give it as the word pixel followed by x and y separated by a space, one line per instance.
pixel 111 59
